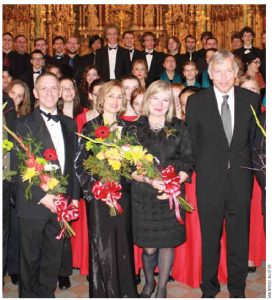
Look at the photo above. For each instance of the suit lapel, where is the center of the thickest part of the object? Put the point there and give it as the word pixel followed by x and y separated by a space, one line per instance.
pixel 238 107
pixel 41 133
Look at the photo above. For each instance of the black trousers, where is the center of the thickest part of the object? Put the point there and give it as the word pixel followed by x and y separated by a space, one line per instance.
pixel 40 257
pixel 13 243
pixel 6 221
pixel 66 268
pixel 212 213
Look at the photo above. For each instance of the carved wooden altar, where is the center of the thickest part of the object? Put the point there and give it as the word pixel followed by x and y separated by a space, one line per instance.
pixel 164 20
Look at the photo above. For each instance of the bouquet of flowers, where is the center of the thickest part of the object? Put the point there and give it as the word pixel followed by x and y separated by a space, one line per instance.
pixel 112 157
pixel 39 170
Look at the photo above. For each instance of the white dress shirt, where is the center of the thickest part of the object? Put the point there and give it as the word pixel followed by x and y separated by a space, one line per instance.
pixel 56 134
pixel 112 60
pixel 219 98
pixel 36 75
pixel 148 58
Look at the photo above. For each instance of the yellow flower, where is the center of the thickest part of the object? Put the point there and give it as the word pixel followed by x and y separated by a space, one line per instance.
pixel 100 156
pixel 137 153
pixel 115 164
pixel 149 157
pixel 40 160
pixel 52 183
pixel 7 145
pixel 28 174
pixel 89 145
pixel 113 153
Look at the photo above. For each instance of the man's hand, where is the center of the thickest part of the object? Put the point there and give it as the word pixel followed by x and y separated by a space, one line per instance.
pixel 49 202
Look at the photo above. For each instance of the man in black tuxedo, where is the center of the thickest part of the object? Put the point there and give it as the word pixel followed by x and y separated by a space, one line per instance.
pixel 154 59
pixel 112 61
pixel 40 251
pixel 31 75
pixel 222 128
pixel 204 36
pixel 129 43
pixel 247 35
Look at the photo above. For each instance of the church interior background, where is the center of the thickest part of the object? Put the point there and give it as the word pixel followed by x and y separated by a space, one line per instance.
pixel 164 20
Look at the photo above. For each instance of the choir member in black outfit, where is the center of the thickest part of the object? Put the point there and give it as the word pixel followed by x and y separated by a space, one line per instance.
pixel 95 43
pixel 153 58
pixel 129 43
pixel 40 44
pixel 112 61
pixel 31 75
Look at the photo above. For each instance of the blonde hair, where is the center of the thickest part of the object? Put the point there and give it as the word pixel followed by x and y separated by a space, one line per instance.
pixel 24 107
pixel 157 87
pixel 105 90
pixel 247 78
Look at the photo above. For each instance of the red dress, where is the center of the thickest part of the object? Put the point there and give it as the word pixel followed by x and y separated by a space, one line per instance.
pixel 80 243
pixel 187 263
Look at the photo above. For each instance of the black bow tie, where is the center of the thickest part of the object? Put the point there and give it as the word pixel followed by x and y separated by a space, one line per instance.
pixel 131 50
pixel 36 72
pixel 113 48
pixel 150 53
pixel 50 116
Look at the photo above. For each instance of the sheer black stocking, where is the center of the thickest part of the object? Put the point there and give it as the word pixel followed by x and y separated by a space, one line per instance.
pixel 149 263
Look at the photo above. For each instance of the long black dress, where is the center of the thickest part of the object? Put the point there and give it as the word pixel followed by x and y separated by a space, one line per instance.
pixel 154 224
pixel 111 268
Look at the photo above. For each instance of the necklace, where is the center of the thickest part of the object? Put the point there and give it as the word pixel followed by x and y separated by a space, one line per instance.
pixel 156 127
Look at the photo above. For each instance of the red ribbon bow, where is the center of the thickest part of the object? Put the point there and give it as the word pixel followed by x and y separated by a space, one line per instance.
pixel 109 193
pixel 172 188
pixel 65 214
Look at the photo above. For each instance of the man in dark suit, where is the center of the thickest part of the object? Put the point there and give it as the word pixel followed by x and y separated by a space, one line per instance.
pixel 222 128
pixel 31 75
pixel 154 59
pixel 18 60
pixel 247 35
pixel 204 36
pixel 74 61
pixel 129 43
pixel 7 45
pixel 40 44
pixel 40 251
pixel 61 59
pixel 112 61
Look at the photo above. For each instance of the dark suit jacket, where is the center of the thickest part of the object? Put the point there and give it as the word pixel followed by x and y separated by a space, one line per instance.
pixel 156 67
pixel 122 66
pixel 137 54
pixel 241 52
pixel 88 60
pixel 19 64
pixel 27 77
pixel 210 146
pixel 34 125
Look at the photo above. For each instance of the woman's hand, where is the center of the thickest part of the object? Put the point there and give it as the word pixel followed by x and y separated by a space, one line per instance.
pixel 137 177
pixel 164 196
pixel 157 184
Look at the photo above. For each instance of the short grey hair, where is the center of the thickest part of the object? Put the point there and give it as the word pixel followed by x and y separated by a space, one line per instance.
pixel 219 56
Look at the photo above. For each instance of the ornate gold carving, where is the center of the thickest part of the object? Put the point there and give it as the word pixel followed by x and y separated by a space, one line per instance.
pixel 164 20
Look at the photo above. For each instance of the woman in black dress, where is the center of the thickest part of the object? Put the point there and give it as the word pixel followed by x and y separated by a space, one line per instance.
pixel 155 226
pixel 111 268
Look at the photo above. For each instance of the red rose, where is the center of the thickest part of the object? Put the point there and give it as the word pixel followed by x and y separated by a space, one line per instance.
pixel 102 132
pixel 50 154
